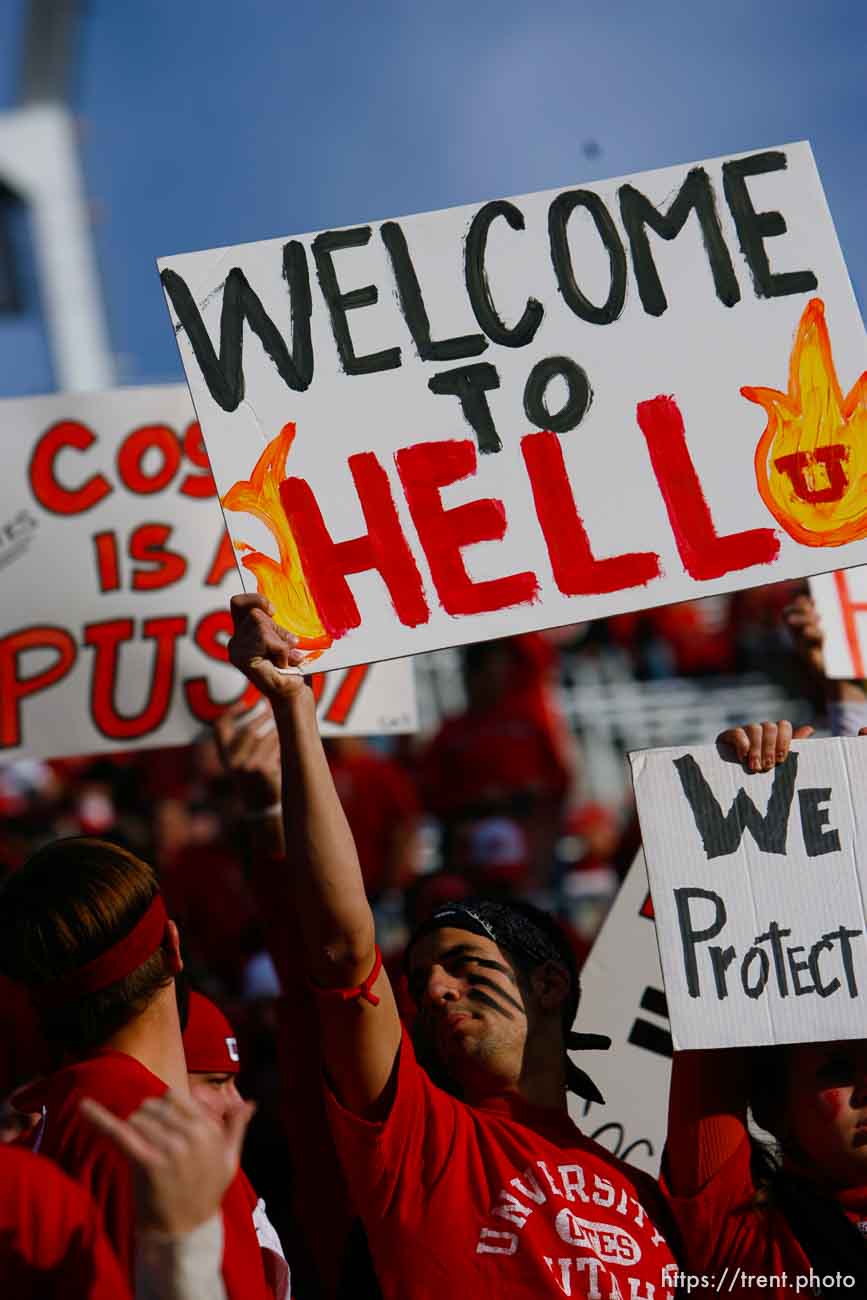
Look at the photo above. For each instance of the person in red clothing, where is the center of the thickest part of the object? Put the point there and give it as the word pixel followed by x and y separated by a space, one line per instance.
pixel 796 1213
pixel 52 1242
pixel 484 1186
pixel 213 1065
pixel 84 927
pixel 509 754
pixel 382 808
pixel 211 1052
pixel 205 891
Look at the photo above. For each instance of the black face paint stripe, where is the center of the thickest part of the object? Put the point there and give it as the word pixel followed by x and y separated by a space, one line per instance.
pixel 477 995
pixel 507 997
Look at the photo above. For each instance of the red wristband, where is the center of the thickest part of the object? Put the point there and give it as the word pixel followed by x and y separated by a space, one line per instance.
pixel 362 990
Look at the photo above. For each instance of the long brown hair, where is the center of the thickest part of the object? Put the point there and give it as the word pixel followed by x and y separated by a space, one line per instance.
pixel 71 901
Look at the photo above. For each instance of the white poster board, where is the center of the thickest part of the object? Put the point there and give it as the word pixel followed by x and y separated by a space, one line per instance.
pixel 758 882
pixel 531 412
pixel 841 603
pixel 622 996
pixel 115 577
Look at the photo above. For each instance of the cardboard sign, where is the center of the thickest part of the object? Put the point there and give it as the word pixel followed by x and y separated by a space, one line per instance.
pixel 533 411
pixel 115 577
pixel 622 995
pixel 758 883
pixel 841 602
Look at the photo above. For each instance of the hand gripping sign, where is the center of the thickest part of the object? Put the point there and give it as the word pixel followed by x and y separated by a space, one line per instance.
pixel 533 411
pixel 758 885
pixel 115 574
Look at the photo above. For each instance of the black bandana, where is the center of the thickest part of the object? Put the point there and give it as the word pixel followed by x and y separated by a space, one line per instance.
pixel 511 927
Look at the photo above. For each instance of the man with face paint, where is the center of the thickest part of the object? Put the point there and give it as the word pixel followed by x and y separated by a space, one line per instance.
pixel 462 1161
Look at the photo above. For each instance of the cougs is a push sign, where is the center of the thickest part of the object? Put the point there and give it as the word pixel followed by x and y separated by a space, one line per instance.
pixel 115 576
pixel 530 411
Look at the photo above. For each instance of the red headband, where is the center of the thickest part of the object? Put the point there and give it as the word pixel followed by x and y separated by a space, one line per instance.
pixel 118 961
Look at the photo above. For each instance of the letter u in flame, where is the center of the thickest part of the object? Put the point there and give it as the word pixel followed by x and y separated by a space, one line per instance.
pixel 811 461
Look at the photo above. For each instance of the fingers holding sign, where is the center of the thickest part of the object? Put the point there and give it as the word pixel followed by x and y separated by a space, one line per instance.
pixel 801 618
pixel 265 653
pixel 762 745
pixel 183 1159
pixel 249 749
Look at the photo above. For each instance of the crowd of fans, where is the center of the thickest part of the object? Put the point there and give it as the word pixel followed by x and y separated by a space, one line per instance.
pixel 490 805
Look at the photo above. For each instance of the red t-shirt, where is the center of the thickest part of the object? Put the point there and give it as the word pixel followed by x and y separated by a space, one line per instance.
pixel 727 1235
pixel 121 1083
pixel 503 1200
pixel 51 1240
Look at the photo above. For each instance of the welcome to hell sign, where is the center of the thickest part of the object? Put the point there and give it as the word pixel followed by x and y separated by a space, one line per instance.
pixel 115 577
pixel 526 412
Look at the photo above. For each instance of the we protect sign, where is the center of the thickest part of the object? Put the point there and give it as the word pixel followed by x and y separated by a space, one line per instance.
pixel 758 883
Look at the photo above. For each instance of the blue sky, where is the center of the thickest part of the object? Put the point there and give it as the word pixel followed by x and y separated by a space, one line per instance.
pixel 206 122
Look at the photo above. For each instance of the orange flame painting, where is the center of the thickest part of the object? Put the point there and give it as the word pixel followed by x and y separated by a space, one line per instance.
pixel 282 583
pixel 811 461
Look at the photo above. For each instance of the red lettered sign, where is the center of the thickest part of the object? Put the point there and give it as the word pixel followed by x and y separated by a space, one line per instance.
pixel 533 411
pixel 115 576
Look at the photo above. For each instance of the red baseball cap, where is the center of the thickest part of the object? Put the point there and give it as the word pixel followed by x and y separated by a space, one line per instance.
pixel 210 1045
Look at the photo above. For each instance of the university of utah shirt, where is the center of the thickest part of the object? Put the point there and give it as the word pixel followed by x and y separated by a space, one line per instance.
pixel 502 1200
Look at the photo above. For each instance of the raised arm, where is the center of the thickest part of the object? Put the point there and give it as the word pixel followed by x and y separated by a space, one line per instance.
pixel 360 1035
pixel 707 1116
pixel 707 1107
pixel 249 749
